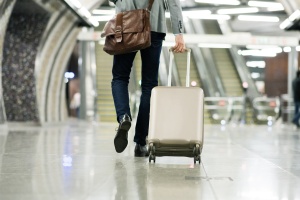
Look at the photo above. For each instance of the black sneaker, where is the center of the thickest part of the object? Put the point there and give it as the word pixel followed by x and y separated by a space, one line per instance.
pixel 121 138
pixel 140 151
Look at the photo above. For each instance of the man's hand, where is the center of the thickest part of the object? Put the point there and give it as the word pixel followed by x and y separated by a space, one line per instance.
pixel 180 45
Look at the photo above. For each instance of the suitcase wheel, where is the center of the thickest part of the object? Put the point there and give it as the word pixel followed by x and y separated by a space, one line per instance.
pixel 152 157
pixel 197 152
pixel 197 158
pixel 151 152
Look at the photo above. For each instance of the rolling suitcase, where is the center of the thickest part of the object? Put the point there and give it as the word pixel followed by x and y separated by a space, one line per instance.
pixel 176 119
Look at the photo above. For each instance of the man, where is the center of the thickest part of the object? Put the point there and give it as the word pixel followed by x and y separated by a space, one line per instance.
pixel 296 93
pixel 150 62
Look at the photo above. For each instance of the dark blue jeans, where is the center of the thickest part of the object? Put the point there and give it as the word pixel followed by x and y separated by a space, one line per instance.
pixel 121 72
pixel 297 113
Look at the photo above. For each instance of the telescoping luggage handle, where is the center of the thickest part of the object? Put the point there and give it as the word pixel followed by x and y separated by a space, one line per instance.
pixel 188 68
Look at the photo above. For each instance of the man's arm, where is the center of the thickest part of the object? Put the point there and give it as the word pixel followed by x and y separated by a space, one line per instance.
pixel 177 24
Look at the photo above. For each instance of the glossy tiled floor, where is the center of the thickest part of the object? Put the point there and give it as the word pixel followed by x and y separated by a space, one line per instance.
pixel 77 161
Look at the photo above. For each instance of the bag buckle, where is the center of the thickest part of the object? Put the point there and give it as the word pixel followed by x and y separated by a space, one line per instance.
pixel 119 34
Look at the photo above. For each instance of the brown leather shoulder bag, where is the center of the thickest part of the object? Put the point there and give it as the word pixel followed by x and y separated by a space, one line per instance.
pixel 128 31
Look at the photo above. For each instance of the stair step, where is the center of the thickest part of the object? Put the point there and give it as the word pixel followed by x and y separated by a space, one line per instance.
pixel 108 118
pixel 105 104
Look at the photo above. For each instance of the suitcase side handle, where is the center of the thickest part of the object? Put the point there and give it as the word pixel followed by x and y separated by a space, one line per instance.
pixel 188 68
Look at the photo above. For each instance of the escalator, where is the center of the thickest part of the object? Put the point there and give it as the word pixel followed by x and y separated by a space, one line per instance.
pixel 105 104
pixel 228 70
pixel 224 63
pixel 181 63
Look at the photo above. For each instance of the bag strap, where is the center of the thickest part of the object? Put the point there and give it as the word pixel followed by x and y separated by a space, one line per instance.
pixel 118 30
pixel 150 5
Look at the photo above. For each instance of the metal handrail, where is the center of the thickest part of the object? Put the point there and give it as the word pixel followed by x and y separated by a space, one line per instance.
pixel 229 109
pixel 287 108
pixel 224 109
pixel 266 108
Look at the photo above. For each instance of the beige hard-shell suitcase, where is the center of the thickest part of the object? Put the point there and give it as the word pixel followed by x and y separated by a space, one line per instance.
pixel 176 119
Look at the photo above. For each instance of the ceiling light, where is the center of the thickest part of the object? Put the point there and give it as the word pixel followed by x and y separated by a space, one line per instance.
pixel 258 53
pixel 259 64
pixel 270 6
pixel 218 46
pixel 295 15
pixel 195 13
pixel 238 10
pixel 213 17
pixel 261 46
pixel 69 75
pixel 102 18
pixel 269 48
pixel 276 50
pixel 258 18
pixel 83 11
pixel 287 49
pixel 255 75
pixel 288 22
pixel 224 2
pixel 265 4
pixel 201 14
pixel 104 12
pixel 93 21
pixel 272 9
pixel 285 24
pixel 75 3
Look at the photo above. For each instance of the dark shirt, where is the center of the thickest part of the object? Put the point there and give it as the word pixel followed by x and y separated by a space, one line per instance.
pixel 296 89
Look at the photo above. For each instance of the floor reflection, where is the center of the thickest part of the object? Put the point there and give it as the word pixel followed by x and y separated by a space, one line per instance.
pixel 121 181
pixel 141 178
pixel 77 161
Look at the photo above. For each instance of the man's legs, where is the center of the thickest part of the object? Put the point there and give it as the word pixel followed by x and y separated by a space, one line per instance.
pixel 121 74
pixel 150 64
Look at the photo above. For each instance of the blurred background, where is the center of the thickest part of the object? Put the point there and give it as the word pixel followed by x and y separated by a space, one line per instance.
pixel 245 55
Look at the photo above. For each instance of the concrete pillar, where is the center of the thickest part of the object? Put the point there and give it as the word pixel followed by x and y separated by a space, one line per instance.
pixel 292 69
pixel 87 73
